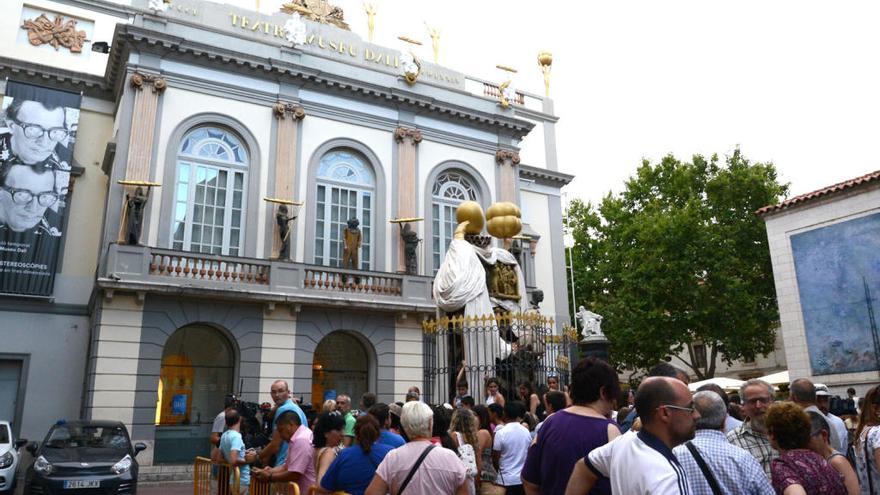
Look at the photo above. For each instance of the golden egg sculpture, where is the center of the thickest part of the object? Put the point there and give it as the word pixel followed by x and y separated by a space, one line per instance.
pixel 473 213
pixel 503 220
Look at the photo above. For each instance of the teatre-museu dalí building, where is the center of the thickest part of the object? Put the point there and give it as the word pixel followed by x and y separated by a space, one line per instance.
pixel 220 108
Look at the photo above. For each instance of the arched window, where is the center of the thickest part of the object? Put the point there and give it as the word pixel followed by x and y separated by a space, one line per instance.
pixel 209 195
pixel 451 189
pixel 346 189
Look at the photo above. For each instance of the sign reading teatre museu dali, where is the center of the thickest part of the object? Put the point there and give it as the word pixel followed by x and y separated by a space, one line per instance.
pixel 322 39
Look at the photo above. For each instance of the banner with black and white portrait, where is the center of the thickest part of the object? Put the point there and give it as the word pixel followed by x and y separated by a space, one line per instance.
pixel 37 131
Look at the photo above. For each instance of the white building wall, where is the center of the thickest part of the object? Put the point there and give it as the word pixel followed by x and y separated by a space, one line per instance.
pixel 14 42
pixel 535 212
pixel 179 104
pixel 317 131
pixel 780 227
pixel 408 369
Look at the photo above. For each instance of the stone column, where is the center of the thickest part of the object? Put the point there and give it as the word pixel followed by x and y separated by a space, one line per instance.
pixel 407 143
pixel 147 89
pixel 288 116
pixel 507 173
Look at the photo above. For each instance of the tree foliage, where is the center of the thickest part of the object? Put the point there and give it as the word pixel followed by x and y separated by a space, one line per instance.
pixel 680 258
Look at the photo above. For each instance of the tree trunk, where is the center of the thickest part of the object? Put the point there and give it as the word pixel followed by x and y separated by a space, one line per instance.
pixel 692 364
pixel 710 366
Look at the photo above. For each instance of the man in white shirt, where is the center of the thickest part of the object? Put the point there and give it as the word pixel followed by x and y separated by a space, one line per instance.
pixel 823 402
pixel 510 447
pixel 643 462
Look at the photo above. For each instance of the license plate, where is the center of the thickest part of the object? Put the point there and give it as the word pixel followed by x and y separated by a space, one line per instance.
pixel 74 484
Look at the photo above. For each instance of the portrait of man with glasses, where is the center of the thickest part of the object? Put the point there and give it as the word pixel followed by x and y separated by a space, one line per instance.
pixel 34 168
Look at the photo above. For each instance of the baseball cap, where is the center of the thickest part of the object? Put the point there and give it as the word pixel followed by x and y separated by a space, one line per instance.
pixel 821 390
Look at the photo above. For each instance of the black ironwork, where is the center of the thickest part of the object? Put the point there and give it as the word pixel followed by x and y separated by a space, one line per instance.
pixel 512 348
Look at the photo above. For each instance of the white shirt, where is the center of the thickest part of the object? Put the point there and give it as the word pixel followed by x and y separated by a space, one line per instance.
pixel 838 436
pixel 842 433
pixel 512 441
pixel 639 463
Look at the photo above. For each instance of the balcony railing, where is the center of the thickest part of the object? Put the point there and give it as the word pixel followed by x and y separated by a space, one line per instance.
pixel 149 269
pixel 208 267
pixel 494 91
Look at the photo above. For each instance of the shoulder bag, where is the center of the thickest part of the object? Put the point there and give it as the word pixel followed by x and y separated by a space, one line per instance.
pixel 415 468
pixel 707 473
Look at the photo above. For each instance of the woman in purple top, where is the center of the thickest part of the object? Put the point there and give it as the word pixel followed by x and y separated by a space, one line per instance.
pixel 570 434
pixel 798 470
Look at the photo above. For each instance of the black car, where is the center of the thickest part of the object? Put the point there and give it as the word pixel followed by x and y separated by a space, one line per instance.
pixel 84 457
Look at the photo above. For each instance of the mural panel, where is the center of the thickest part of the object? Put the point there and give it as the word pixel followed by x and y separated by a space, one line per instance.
pixel 838 276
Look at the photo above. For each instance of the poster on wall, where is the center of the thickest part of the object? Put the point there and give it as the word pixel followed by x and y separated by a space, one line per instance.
pixel 37 132
pixel 838 278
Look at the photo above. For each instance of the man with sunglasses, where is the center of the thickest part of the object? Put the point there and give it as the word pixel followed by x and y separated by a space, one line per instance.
pixel 757 395
pixel 33 177
pixel 643 462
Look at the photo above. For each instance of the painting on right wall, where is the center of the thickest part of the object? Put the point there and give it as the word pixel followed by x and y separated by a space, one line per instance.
pixel 838 277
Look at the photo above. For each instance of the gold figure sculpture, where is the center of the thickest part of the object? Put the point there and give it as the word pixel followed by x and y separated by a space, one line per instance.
pixel 58 33
pixel 434 33
pixel 460 231
pixel 502 281
pixel 545 60
pixel 370 9
pixel 352 245
pixel 317 10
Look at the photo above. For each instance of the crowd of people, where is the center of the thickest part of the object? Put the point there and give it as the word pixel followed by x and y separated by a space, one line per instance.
pixel 664 440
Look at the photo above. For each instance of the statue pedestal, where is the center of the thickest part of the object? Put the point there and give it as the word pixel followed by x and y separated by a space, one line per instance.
pixel 596 346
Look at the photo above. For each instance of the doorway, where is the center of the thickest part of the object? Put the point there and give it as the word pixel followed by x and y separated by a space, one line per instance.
pixel 198 366
pixel 340 365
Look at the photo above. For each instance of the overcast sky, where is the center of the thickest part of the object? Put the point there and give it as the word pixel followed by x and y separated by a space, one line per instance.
pixel 792 82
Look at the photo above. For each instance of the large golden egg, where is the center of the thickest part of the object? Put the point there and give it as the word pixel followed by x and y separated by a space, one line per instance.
pixel 473 213
pixel 503 220
pixel 504 227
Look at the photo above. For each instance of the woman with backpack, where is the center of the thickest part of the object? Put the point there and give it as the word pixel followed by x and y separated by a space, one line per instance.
pixel 463 429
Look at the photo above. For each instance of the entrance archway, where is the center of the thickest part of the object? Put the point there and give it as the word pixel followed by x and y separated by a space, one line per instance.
pixel 198 365
pixel 341 364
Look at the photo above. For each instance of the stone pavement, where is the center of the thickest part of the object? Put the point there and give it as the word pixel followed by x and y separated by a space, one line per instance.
pixel 185 488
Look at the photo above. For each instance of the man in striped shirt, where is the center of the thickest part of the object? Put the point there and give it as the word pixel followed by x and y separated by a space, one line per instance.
pixel 643 462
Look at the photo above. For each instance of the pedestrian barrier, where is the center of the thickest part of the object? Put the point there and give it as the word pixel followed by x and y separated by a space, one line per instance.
pixel 203 471
pixel 264 487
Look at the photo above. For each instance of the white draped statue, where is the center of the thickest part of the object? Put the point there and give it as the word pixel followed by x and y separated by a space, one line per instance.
pixel 461 283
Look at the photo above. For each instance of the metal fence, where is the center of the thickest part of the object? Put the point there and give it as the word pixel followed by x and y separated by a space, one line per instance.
pixel 510 347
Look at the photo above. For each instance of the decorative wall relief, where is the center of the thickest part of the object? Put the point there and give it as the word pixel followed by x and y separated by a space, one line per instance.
pixel 58 33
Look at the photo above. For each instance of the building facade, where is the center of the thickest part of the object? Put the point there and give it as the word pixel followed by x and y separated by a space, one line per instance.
pixel 218 113
pixel 825 249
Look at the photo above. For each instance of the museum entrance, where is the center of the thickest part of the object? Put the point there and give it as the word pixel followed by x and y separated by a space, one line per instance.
pixel 198 365
pixel 341 365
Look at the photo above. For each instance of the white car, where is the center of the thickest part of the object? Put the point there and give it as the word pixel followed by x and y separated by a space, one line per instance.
pixel 9 457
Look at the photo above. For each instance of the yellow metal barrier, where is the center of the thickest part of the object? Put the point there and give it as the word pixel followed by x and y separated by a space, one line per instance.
pixel 264 487
pixel 203 473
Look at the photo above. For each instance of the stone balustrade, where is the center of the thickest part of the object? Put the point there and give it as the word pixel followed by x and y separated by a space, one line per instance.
pixel 144 269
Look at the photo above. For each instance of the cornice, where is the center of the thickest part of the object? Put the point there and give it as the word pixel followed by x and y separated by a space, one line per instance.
pixel 90 85
pixel 544 176
pixel 129 36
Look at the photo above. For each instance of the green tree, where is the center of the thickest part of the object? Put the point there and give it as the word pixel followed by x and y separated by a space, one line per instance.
pixel 679 258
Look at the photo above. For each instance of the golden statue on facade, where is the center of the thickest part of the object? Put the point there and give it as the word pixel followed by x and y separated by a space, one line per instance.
pixel 370 9
pixel 317 10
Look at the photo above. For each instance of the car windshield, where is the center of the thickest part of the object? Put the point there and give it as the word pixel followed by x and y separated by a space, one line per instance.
pixel 85 436
pixel 4 434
